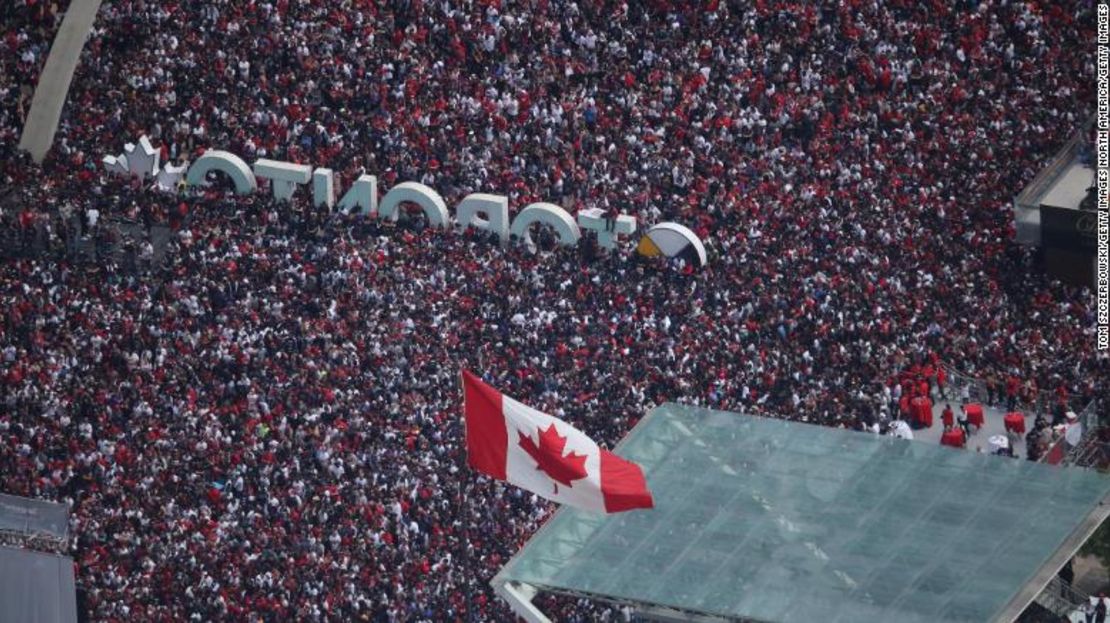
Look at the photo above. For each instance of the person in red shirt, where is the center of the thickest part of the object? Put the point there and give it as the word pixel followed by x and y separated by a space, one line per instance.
pixel 26 228
pixel 1012 384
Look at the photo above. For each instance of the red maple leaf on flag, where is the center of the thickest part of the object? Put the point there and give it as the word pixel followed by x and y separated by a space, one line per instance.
pixel 549 457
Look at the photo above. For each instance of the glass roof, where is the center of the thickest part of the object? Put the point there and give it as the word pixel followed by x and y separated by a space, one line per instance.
pixel 771 520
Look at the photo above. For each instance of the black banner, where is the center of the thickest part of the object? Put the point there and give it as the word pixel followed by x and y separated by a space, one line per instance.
pixel 1072 230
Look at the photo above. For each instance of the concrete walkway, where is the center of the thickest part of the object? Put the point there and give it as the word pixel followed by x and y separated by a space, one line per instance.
pixel 992 425
pixel 1090 576
pixel 53 86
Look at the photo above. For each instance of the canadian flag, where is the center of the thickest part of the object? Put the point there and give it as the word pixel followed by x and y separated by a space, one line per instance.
pixel 513 442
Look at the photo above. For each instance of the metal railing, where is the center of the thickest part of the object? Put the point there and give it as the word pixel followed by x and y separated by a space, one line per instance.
pixel 1093 453
pixel 1061 598
pixel 114 243
pixel 33 541
pixel 977 392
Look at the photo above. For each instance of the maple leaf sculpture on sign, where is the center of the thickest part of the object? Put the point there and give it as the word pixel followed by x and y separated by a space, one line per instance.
pixel 549 457
pixel 142 161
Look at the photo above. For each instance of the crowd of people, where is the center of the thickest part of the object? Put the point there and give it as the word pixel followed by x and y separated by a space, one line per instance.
pixel 28 28
pixel 265 423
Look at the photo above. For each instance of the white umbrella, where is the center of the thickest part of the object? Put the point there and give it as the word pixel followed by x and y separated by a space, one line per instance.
pixel 901 430
pixel 1073 433
pixel 672 240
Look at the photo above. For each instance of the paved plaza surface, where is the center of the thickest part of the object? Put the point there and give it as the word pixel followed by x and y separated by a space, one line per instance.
pixel 978 441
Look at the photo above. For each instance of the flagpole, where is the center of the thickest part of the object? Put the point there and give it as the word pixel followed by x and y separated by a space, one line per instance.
pixel 464 476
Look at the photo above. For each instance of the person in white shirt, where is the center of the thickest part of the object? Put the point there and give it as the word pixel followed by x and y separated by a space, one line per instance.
pixel 93 216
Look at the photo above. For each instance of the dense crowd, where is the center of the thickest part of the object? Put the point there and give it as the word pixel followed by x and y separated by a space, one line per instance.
pixel 28 28
pixel 264 425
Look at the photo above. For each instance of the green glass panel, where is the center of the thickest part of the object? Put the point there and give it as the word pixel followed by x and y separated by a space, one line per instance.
pixel 769 520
